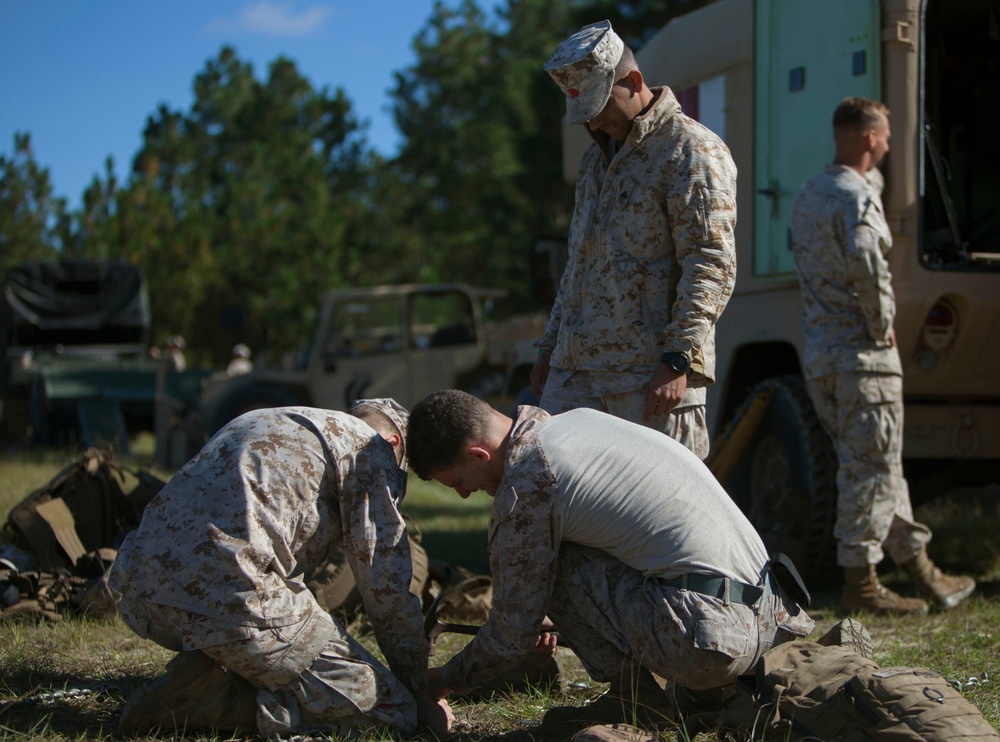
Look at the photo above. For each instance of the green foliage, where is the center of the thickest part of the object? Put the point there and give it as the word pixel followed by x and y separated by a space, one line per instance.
pixel 29 212
pixel 238 209
pixel 481 126
pixel 243 209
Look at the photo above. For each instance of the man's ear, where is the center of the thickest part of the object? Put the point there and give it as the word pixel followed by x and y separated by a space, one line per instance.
pixel 870 140
pixel 395 439
pixel 634 81
pixel 479 451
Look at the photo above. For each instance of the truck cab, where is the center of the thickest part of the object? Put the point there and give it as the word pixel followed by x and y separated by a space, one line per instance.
pixel 74 364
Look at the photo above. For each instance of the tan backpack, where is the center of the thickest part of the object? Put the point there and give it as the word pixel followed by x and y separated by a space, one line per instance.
pixel 337 592
pixel 807 691
pixel 90 504
pixel 68 531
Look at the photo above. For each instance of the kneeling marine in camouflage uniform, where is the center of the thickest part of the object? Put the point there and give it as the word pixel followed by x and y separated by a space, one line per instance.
pixel 215 572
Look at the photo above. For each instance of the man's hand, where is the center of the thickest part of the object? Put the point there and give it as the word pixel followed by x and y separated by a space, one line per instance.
pixel 540 372
pixel 892 337
pixel 434 713
pixel 663 392
pixel 545 647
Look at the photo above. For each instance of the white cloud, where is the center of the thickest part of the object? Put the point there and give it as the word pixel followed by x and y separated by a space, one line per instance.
pixel 273 18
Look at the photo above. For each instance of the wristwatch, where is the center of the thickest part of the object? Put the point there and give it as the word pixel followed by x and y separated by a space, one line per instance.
pixel 679 362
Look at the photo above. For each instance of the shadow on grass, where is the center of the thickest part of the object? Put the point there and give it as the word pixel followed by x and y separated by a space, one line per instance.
pixel 519 735
pixel 41 702
pixel 964 524
pixel 457 535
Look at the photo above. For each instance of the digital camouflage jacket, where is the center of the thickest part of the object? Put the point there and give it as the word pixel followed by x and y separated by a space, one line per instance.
pixel 233 532
pixel 839 240
pixel 652 259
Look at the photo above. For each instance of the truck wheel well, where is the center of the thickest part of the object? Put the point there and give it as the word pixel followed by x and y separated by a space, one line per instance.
pixel 752 364
pixel 785 480
pixel 483 381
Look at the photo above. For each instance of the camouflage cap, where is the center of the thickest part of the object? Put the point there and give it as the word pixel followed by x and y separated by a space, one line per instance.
pixel 392 410
pixel 584 67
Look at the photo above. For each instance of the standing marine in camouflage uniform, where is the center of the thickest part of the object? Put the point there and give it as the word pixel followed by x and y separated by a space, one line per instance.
pixel 621 537
pixel 840 238
pixel 215 572
pixel 651 250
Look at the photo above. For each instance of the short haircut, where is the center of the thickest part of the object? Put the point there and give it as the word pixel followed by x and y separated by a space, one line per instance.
pixel 439 425
pixel 861 113
pixel 378 421
pixel 626 64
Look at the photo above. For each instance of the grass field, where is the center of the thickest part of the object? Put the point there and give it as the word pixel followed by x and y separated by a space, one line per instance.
pixel 103 660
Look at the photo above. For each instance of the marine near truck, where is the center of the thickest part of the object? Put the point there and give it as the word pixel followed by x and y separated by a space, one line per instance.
pixel 766 76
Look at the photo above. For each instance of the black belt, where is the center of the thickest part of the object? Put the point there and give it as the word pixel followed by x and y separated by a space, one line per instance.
pixel 739 592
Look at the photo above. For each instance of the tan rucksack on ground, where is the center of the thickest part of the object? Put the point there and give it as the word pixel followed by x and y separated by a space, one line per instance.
pixel 336 591
pixel 71 528
pixel 90 504
pixel 805 691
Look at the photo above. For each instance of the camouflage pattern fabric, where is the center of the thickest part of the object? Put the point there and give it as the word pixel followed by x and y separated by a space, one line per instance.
pixel 344 687
pixel 863 413
pixel 839 240
pixel 534 520
pixel 571 390
pixel 652 261
pixel 611 613
pixel 228 540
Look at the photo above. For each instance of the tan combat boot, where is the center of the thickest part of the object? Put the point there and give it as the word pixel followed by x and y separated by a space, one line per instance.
pixel 193 694
pixel 864 592
pixel 941 589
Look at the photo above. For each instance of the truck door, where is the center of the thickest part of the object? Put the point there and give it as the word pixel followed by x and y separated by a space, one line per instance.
pixel 363 354
pixel 809 56
pixel 444 340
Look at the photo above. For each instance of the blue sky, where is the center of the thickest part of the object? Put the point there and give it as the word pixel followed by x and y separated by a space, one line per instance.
pixel 82 76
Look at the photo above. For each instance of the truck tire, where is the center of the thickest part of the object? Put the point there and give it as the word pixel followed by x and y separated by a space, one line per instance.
pixel 245 399
pixel 785 482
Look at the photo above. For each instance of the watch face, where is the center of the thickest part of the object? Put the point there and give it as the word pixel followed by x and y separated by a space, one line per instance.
pixel 677 361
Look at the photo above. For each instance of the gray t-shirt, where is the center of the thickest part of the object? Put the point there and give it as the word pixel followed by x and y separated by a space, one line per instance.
pixel 646 500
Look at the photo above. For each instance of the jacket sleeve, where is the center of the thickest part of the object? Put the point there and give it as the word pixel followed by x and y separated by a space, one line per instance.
pixel 701 207
pixel 868 271
pixel 523 566
pixel 378 551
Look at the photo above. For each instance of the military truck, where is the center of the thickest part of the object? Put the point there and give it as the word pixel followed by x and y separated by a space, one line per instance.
pixel 402 341
pixel 766 76
pixel 73 347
